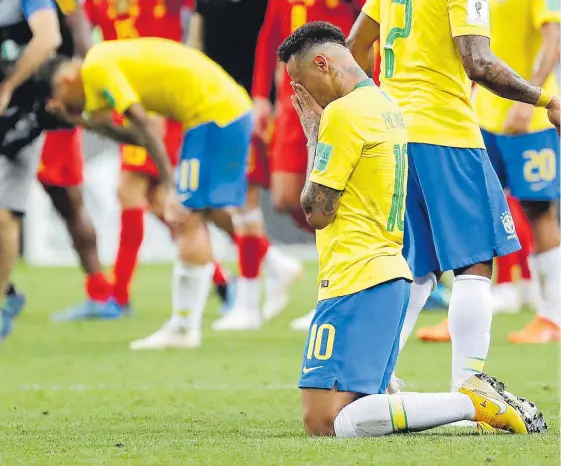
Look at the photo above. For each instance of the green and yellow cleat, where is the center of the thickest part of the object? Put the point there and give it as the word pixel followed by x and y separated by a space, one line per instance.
pixel 500 409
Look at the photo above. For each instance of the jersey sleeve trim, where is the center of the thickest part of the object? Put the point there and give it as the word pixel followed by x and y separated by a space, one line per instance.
pixel 30 7
pixel 318 179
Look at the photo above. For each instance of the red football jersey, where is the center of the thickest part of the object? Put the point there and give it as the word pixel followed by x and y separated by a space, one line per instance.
pixel 127 19
pixel 281 19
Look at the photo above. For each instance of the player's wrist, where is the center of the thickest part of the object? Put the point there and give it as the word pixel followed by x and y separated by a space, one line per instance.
pixel 545 99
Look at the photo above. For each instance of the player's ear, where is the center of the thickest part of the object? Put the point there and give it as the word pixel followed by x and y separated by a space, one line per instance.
pixel 321 62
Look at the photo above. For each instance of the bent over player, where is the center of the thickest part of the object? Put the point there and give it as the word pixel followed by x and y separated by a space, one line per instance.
pixel 136 76
pixel 355 198
pixel 457 217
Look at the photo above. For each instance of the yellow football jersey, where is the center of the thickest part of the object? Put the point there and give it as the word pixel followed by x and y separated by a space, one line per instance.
pixel 422 69
pixel 516 39
pixel 167 78
pixel 362 151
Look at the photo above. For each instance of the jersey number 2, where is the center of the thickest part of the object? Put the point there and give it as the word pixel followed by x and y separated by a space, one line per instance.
pixel 397 33
pixel 396 217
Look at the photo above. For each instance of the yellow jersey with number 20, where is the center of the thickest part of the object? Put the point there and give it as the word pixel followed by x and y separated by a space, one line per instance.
pixel 515 29
pixel 362 151
pixel 422 69
pixel 168 78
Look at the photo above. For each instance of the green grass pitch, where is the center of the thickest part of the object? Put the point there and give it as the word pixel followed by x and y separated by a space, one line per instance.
pixel 73 394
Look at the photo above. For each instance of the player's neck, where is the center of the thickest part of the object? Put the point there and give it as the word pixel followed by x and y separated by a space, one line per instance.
pixel 352 76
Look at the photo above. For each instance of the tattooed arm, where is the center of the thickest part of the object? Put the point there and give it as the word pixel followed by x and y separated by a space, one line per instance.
pixel 487 70
pixel 319 202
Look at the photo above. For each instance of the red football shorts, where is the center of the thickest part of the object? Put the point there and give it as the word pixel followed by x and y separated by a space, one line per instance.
pixel 288 147
pixel 258 163
pixel 136 159
pixel 62 159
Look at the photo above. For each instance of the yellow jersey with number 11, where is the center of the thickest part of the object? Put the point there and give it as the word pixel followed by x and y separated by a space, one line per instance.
pixel 515 29
pixel 362 151
pixel 422 69
pixel 165 77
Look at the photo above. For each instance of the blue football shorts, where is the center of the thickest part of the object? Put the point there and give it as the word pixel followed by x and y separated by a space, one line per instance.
pixel 527 164
pixel 212 169
pixel 353 341
pixel 456 212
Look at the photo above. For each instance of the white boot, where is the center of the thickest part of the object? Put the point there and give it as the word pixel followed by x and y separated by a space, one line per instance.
pixel 280 272
pixel 303 323
pixel 173 334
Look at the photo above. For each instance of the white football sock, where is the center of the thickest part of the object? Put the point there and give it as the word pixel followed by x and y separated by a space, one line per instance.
pixel 190 289
pixel 548 267
pixel 248 294
pixel 421 288
pixel 276 261
pixel 377 415
pixel 469 320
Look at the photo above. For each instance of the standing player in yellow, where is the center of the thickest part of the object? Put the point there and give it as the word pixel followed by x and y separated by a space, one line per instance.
pixel 457 217
pixel 137 76
pixel 523 146
pixel 354 197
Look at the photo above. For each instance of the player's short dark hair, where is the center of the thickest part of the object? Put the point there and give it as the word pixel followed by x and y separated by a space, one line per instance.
pixel 308 36
pixel 45 74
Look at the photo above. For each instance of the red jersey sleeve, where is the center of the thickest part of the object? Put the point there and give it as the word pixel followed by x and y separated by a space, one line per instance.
pixel 358 4
pixel 90 10
pixel 268 41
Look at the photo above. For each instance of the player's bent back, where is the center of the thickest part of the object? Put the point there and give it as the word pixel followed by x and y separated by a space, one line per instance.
pixel 191 88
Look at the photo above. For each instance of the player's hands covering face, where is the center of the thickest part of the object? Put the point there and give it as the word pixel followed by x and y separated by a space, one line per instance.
pixel 308 110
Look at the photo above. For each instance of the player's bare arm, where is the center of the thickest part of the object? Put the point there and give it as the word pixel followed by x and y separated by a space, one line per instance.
pixel 46 38
pixel 81 31
pixel 364 33
pixel 520 115
pixel 150 133
pixel 319 202
pixel 486 69
pixel 121 134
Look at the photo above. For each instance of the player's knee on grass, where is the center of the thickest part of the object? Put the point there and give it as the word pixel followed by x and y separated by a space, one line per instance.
pixel 538 210
pixel 321 407
pixel 133 190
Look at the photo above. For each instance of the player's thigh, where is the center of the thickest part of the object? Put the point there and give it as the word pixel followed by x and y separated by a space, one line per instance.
pixel 351 339
pixel 288 161
pixel 258 173
pixel 67 200
pixel 418 246
pixel 212 169
pixel 16 177
pixel 133 188
pixel 532 165
pixel 465 203
pixel 62 159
